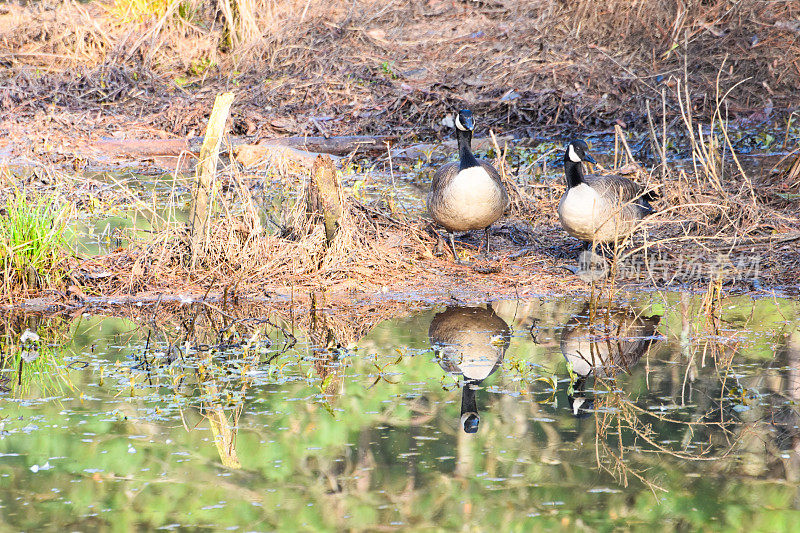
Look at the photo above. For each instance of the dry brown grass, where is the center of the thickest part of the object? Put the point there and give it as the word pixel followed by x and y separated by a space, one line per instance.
pixel 373 254
pixel 376 66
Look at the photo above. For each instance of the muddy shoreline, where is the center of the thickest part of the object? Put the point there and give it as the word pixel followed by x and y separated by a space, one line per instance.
pixel 357 303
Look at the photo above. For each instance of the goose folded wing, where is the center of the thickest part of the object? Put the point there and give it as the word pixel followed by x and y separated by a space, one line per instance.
pixel 620 190
pixel 488 167
pixel 443 175
pixel 495 175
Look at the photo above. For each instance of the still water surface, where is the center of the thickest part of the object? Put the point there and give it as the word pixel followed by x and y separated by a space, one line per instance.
pixel 660 410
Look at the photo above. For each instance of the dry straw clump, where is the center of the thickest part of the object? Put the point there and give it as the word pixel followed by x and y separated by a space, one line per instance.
pixel 368 251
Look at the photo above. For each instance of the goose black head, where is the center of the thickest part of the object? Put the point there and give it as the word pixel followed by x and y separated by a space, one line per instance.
pixel 581 406
pixel 464 120
pixel 470 422
pixel 577 152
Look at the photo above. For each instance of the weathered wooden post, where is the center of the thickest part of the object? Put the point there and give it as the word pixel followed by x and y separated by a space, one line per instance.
pixel 205 175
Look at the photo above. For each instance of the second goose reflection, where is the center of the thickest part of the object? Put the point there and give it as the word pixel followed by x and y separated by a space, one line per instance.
pixel 470 341
pixel 603 345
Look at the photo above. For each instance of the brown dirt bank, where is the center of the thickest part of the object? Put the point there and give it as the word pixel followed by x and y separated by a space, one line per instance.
pixel 311 67
pixel 374 266
pixel 716 229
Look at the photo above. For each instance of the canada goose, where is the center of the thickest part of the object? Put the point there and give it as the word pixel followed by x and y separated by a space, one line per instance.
pixel 470 341
pixel 468 194
pixel 599 208
pixel 613 342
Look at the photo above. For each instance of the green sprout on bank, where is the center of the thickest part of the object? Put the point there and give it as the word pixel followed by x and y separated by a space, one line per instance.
pixel 128 11
pixel 32 243
pixel 201 66
pixel 388 69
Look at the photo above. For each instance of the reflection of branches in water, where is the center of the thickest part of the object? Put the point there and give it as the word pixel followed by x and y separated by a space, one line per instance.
pixel 704 337
pixel 257 336
pixel 209 344
pixel 617 345
pixel 202 328
pixel 217 393
pixel 617 416
pixel 327 357
pixel 223 429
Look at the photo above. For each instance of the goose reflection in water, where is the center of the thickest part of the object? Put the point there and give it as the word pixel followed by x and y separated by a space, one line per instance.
pixel 470 341
pixel 603 344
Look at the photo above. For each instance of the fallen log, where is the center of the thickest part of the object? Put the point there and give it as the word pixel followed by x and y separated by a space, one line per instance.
pixel 424 150
pixel 343 145
pixel 302 150
pixel 250 155
pixel 143 148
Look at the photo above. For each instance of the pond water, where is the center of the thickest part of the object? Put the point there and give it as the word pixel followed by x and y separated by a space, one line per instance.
pixel 662 410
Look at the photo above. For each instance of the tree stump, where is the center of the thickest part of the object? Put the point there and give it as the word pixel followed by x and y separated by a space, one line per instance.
pixel 324 194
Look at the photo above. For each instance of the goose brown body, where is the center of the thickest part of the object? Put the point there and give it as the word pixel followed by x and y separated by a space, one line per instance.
pixel 613 342
pixel 599 208
pixel 469 199
pixel 602 209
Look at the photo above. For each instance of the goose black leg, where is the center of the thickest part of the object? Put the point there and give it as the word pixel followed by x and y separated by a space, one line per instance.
pixel 469 408
pixel 453 247
pixel 607 250
pixel 591 265
pixel 486 243
pixel 602 249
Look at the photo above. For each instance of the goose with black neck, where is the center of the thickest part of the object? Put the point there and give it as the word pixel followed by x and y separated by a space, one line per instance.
pixel 467 194
pixel 599 208
pixel 470 341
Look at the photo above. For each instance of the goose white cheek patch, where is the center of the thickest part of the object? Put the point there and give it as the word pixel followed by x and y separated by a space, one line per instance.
pixel 576 405
pixel 459 125
pixel 573 156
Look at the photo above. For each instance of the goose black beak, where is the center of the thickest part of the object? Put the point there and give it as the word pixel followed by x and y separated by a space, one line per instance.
pixel 588 158
pixel 469 122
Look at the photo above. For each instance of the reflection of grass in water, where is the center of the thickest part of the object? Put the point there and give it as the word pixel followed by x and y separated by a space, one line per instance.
pixel 32 354
pixel 45 372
